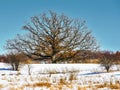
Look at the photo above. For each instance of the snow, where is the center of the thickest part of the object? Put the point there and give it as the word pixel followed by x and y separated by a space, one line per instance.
pixel 56 76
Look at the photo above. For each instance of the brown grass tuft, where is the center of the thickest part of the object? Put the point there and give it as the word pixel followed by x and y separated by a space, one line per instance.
pixel 72 76
pixel 111 86
pixel 62 81
pixel 1 86
pixel 42 84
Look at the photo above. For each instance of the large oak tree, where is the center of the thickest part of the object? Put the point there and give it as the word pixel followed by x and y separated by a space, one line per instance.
pixel 53 37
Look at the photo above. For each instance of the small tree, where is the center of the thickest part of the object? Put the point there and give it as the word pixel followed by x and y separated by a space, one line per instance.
pixel 15 60
pixel 106 60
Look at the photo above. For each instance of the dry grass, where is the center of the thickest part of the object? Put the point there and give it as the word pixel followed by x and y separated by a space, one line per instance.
pixel 62 81
pixel 73 76
pixel 51 71
pixel 95 61
pixel 62 71
pixel 116 85
pixel 68 81
pixel 62 86
pixel 81 88
pixel 73 70
pixel 42 84
pixel 1 86
pixel 15 88
pixel 111 85
pixel 87 88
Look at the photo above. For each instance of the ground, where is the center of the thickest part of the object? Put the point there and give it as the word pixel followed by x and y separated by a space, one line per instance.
pixel 59 77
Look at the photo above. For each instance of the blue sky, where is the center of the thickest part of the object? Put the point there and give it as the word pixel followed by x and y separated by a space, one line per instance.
pixel 102 17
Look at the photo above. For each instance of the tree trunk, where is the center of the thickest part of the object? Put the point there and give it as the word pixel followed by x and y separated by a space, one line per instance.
pixel 54 61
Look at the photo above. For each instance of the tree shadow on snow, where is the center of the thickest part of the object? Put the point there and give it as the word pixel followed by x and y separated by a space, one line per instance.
pixel 92 73
pixel 117 74
pixel 5 69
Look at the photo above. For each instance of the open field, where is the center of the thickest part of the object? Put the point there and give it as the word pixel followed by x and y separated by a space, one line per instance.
pixel 59 77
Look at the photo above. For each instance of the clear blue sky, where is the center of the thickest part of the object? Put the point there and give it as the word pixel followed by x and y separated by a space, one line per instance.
pixel 102 16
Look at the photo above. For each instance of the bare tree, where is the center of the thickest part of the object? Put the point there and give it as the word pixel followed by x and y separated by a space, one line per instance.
pixel 117 57
pixel 15 59
pixel 53 37
pixel 107 60
pixel 2 58
pixel 82 56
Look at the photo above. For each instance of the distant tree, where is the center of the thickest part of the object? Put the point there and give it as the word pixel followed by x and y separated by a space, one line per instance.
pixel 107 60
pixel 117 60
pixel 117 57
pixel 81 56
pixel 53 37
pixel 2 58
pixel 15 59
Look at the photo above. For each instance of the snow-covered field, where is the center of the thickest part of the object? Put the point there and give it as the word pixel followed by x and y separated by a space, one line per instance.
pixel 59 77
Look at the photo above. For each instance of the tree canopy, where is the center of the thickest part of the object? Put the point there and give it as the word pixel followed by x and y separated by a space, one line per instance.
pixel 53 37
